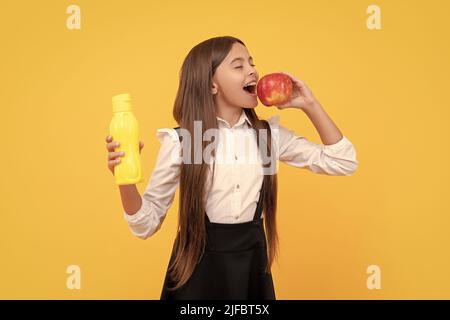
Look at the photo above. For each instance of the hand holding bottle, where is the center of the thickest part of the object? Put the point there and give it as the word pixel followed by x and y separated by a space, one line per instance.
pixel 113 156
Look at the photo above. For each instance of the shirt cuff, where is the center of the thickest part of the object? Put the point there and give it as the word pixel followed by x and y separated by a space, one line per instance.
pixel 338 145
pixel 136 218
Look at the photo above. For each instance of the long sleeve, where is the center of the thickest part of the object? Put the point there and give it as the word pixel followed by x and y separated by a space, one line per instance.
pixel 336 159
pixel 160 191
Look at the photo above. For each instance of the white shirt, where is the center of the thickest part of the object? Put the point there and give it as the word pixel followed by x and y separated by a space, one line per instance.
pixel 237 182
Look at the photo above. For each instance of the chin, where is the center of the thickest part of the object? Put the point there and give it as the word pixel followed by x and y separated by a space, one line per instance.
pixel 253 104
pixel 250 106
pixel 250 103
pixel 246 101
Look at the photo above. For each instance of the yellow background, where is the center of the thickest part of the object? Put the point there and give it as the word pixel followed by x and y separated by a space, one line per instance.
pixel 386 90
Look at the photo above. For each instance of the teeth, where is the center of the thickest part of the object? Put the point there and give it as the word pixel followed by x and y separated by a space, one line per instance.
pixel 251 83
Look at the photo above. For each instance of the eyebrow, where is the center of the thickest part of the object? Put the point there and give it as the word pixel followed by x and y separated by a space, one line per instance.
pixel 240 58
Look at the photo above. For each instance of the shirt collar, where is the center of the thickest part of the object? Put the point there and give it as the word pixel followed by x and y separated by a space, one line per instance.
pixel 242 119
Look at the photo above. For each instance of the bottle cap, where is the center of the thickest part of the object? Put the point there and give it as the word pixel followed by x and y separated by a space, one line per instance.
pixel 121 102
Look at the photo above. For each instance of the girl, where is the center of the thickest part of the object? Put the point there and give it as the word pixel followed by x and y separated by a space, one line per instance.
pixel 226 208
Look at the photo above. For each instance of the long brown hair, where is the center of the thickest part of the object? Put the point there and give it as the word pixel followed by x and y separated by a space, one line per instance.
pixel 194 102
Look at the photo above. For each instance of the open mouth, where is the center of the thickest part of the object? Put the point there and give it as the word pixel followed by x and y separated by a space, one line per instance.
pixel 251 89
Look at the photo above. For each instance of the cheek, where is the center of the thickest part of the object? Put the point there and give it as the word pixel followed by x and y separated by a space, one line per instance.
pixel 232 82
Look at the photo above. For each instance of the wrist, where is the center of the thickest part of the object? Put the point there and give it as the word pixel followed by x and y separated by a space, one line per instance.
pixel 312 107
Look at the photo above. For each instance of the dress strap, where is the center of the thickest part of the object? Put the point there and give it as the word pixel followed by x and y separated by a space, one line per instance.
pixel 260 205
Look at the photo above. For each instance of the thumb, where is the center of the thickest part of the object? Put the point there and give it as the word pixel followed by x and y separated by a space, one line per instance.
pixel 282 106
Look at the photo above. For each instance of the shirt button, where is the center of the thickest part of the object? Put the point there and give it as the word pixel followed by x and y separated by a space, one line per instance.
pixel 235 157
pixel 237 186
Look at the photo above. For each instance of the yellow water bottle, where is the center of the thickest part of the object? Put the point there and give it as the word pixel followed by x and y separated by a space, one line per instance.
pixel 124 128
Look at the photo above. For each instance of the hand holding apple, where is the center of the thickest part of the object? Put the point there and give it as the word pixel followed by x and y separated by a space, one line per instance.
pixel 281 95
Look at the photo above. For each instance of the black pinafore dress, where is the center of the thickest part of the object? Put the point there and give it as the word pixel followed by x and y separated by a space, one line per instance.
pixel 232 266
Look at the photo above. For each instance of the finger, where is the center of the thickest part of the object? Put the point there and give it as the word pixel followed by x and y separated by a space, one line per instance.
pixel 303 88
pixel 112 163
pixel 141 144
pixel 281 106
pixel 114 155
pixel 290 76
pixel 112 145
pixel 294 79
pixel 108 138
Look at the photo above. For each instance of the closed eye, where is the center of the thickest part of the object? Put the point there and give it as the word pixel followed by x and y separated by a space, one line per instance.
pixel 253 65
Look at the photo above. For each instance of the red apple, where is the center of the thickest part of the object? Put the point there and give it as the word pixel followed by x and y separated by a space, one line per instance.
pixel 274 89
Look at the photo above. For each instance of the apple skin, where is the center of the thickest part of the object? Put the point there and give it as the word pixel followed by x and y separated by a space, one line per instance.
pixel 274 89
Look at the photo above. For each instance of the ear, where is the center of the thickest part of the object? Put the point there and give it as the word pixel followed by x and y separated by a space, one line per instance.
pixel 214 88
